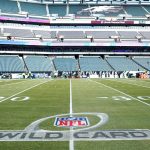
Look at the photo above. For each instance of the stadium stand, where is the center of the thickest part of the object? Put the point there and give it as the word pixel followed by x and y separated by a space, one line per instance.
pixel 107 13
pixel 11 64
pixel 34 8
pixel 45 34
pixel 38 63
pixel 145 34
pixel 78 10
pixel 78 31
pixel 24 33
pixel 128 35
pixel 71 34
pixel 57 9
pixel 123 63
pixel 9 6
pixel 101 34
pixel 143 61
pixel 42 33
pixel 65 64
pixel 135 10
pixel 94 64
pixel 147 8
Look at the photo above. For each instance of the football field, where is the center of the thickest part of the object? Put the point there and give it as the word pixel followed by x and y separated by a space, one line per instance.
pixel 117 110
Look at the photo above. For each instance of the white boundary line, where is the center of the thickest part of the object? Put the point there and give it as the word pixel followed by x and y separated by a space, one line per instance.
pixel 128 83
pixel 120 92
pixel 71 141
pixel 22 91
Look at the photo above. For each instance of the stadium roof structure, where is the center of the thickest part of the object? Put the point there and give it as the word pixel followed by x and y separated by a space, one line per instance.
pixel 105 2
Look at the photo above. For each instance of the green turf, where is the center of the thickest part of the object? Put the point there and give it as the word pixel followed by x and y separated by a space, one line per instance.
pixel 52 97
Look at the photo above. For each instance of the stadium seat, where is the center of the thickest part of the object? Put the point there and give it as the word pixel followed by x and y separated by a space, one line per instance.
pixel 38 63
pixel 71 34
pixel 94 64
pixel 24 33
pixel 11 64
pixel 101 34
pixel 123 63
pixel 65 64
pixel 9 6
pixel 143 61
pixel 34 8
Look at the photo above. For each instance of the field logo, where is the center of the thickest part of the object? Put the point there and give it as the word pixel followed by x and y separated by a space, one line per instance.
pixel 71 122
pixel 33 132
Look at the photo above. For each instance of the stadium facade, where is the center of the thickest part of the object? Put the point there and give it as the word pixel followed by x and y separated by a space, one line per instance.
pixel 75 38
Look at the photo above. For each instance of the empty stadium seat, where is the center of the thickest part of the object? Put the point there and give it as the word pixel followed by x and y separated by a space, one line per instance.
pixel 57 9
pixel 71 34
pixel 8 6
pixel 123 64
pixel 94 64
pixel 78 10
pixel 11 64
pixel 34 8
pixel 145 34
pixel 101 34
pixel 65 64
pixel 24 33
pixel 45 34
pixel 128 35
pixel 38 63
pixel 143 61
pixel 135 10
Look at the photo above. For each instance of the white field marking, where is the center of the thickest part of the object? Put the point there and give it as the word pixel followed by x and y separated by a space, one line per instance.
pixel 12 83
pixel 18 99
pixel 22 91
pixel 102 97
pixel 121 92
pixel 71 111
pixel 130 83
pixel 71 141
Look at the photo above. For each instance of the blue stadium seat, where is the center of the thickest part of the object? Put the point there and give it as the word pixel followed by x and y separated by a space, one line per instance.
pixel 8 6
pixel 123 63
pixel 135 10
pixel 34 9
pixel 38 63
pixel 57 9
pixel 144 61
pixel 11 64
pixel 94 64
pixel 65 64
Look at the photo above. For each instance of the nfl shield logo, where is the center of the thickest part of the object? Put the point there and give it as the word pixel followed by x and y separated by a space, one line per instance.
pixel 71 122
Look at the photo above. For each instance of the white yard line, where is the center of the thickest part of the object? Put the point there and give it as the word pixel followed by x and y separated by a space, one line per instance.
pixel 22 91
pixel 71 141
pixel 121 92
pixel 71 111
pixel 129 83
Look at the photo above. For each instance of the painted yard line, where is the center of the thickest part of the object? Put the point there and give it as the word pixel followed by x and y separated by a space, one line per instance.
pixel 71 141
pixel 12 83
pixel 120 92
pixel 128 83
pixel 22 91
pixel 71 111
